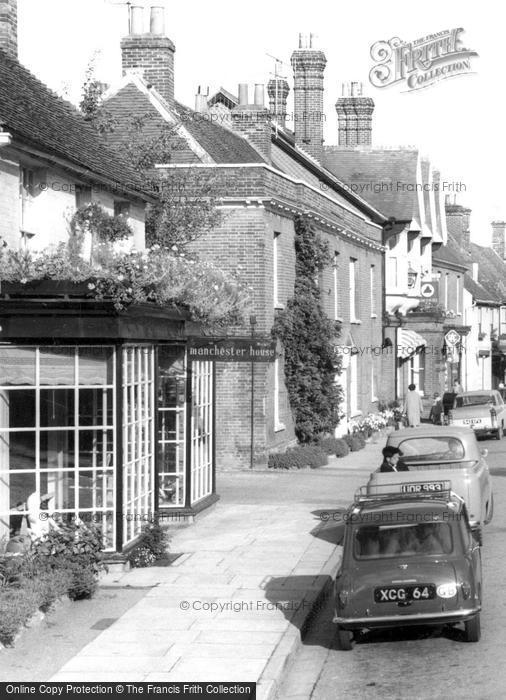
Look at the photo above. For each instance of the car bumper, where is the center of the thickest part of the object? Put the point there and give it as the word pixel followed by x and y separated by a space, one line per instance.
pixel 443 618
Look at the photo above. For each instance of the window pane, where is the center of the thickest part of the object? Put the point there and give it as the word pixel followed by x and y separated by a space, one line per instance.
pixel 20 486
pixel 17 365
pixel 95 449
pixel 17 409
pixel 96 365
pixel 61 485
pixel 96 489
pixel 17 451
pixel 56 408
pixel 57 366
pixel 57 449
pixel 95 407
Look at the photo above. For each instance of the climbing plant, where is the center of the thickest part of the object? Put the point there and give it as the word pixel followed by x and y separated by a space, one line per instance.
pixel 308 336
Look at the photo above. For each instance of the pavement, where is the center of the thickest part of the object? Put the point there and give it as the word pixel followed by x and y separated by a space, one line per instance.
pixel 236 604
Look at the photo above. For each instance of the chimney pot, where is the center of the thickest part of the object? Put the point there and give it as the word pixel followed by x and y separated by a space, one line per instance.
pixel 259 94
pixel 9 27
pixel 136 19
pixel 243 93
pixel 157 20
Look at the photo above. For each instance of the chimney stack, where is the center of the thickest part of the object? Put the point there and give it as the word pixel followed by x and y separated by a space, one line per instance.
pixel 308 66
pixel 354 113
pixel 458 223
pixel 9 27
pixel 278 94
pixel 499 238
pixel 253 121
pixel 151 53
pixel 201 101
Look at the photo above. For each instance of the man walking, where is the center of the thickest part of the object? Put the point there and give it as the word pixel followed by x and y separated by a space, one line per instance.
pixel 413 406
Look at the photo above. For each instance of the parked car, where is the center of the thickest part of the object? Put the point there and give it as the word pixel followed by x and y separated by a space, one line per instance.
pixel 434 454
pixel 408 560
pixel 484 411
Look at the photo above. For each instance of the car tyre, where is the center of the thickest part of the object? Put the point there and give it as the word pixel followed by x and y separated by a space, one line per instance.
pixel 344 639
pixel 472 629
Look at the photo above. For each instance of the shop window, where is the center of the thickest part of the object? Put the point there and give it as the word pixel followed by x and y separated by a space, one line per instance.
pixel 171 436
pixel 57 434
pixel 138 439
pixel 201 430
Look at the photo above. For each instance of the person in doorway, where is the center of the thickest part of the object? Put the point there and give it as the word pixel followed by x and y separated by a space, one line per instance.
pixel 391 463
pixel 436 410
pixel 457 387
pixel 413 406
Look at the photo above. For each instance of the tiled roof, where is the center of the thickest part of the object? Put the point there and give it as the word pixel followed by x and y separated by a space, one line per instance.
pixel 479 293
pixel 451 253
pixel 385 178
pixel 37 117
pixel 491 271
pixel 222 144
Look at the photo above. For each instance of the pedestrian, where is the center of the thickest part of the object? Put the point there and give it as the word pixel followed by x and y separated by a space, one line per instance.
pixel 457 387
pixel 391 463
pixel 413 406
pixel 436 409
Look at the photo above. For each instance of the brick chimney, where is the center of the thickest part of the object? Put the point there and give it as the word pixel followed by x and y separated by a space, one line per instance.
pixel 151 53
pixel 278 90
pixel 354 113
pixel 458 223
pixel 253 120
pixel 499 238
pixel 9 27
pixel 308 66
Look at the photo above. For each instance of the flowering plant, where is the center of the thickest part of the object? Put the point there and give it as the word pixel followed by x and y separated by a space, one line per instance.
pixel 159 275
pixel 371 423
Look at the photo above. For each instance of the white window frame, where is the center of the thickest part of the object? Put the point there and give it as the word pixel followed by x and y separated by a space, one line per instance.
pixel 458 309
pixel 372 279
pixel 275 270
pixel 353 267
pixel 335 279
pixel 278 425
pixel 353 396
pixel 447 275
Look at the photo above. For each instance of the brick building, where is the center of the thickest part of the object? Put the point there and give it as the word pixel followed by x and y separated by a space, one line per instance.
pixel 265 176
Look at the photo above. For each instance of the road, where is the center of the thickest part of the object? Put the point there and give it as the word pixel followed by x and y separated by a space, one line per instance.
pixel 420 662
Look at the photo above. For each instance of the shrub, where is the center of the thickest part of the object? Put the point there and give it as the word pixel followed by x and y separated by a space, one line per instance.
pixel 279 460
pixel 356 443
pixel 152 545
pixel 341 448
pixel 82 580
pixel 17 605
pixel 298 457
pixel 315 457
pixel 49 587
pixel 328 445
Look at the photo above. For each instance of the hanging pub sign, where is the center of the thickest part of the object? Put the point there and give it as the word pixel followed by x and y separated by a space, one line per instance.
pixel 232 349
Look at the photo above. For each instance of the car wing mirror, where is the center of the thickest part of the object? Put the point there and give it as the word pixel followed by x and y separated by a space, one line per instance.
pixel 484 452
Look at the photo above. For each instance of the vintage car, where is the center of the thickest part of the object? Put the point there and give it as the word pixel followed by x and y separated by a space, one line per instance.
pixel 484 411
pixel 434 454
pixel 408 560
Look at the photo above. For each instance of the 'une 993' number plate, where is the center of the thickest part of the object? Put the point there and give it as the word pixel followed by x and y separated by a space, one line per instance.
pixel 398 594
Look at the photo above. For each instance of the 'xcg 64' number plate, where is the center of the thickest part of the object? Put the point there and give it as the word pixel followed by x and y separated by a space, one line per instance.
pixel 398 594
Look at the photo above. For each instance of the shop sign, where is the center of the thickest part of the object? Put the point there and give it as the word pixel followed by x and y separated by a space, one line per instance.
pixel 232 349
pixel 452 338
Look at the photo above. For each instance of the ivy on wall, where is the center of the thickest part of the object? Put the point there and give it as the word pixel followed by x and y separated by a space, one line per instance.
pixel 308 336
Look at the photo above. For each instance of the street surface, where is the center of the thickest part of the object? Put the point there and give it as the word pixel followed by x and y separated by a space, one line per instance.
pixel 416 662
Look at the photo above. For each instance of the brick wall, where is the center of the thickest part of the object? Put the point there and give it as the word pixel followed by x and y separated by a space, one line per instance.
pixel 154 56
pixel 308 67
pixel 9 27
pixel 355 120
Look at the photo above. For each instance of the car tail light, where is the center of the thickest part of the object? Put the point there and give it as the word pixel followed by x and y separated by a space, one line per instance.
pixel 343 596
pixel 466 590
pixel 493 416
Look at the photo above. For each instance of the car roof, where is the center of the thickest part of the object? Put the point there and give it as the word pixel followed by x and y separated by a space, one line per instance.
pixel 431 431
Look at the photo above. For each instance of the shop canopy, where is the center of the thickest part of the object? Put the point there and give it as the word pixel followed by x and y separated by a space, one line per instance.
pixel 408 343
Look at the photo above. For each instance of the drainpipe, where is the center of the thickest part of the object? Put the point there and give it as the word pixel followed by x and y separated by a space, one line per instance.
pixel 252 322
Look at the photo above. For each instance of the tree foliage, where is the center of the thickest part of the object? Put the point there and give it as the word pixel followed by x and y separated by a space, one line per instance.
pixel 308 337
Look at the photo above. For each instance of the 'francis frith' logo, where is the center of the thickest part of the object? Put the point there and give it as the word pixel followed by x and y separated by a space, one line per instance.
pixel 422 62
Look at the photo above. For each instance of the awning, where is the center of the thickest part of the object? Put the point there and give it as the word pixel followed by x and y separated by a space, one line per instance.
pixel 408 342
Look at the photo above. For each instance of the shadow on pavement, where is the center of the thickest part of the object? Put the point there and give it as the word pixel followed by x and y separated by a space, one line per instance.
pixel 330 527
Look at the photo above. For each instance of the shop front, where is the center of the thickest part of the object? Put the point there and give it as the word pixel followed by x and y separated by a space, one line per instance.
pixel 103 415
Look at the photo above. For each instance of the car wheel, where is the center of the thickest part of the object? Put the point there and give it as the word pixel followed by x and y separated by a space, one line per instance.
pixel 344 638
pixel 472 629
pixel 490 510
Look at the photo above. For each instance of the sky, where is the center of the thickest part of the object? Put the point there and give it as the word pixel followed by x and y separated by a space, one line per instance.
pixel 458 122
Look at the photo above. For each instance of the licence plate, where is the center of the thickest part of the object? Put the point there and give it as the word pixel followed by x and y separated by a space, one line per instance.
pixel 399 594
pixel 426 487
pixel 471 421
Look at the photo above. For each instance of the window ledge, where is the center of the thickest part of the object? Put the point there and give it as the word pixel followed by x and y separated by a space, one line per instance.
pixel 339 319
pixel 374 315
pixel 355 414
pixel 356 321
pixel 278 305
pixel 278 427
pixel 374 399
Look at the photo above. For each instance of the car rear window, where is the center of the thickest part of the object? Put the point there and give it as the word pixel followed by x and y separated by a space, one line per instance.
pixel 474 400
pixel 385 541
pixel 432 449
